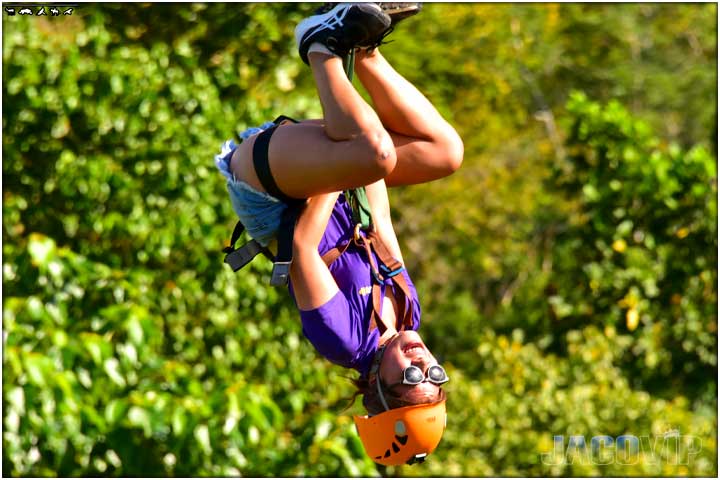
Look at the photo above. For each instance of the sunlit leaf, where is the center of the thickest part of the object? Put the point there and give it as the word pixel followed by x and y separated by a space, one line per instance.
pixel 41 249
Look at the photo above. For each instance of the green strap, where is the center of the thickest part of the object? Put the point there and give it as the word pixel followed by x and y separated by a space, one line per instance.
pixel 349 64
pixel 357 198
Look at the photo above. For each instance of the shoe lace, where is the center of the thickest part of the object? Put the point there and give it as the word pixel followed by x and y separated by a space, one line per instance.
pixel 335 20
pixel 381 40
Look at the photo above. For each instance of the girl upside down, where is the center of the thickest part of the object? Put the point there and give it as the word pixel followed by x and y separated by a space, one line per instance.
pixel 403 141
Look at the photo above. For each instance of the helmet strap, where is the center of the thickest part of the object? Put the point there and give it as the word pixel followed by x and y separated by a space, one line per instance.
pixel 375 369
pixel 382 397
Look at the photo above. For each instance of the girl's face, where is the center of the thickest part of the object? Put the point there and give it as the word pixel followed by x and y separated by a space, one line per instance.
pixel 405 350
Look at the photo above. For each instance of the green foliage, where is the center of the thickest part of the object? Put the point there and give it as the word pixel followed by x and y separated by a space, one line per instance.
pixel 127 124
pixel 131 351
pixel 521 397
pixel 641 246
pixel 103 380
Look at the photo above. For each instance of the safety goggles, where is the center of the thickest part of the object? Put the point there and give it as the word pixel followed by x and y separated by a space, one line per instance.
pixel 413 375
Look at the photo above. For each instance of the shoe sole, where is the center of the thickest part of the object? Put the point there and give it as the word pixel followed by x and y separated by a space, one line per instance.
pixel 395 10
pixel 398 13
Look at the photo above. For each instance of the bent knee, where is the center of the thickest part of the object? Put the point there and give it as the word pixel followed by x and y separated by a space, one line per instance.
pixel 378 153
pixel 452 151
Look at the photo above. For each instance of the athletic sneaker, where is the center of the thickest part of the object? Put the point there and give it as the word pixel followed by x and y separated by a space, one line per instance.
pixel 395 10
pixel 342 28
pixel 400 11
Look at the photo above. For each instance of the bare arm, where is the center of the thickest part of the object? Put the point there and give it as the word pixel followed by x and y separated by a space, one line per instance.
pixel 380 207
pixel 313 283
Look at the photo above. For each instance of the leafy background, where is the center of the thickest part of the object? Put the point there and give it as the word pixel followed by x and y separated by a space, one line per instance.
pixel 568 271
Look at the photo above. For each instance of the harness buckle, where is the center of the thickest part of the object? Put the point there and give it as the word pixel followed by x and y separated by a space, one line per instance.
pixel 280 274
pixel 387 273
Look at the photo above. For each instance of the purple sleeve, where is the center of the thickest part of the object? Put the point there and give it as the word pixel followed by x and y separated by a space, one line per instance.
pixel 334 329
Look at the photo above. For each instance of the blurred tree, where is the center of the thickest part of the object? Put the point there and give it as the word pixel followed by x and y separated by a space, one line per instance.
pixel 640 251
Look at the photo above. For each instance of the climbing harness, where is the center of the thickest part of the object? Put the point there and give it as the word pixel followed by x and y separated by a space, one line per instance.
pixel 237 258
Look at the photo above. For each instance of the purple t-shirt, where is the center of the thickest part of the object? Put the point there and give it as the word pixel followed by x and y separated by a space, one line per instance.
pixel 339 329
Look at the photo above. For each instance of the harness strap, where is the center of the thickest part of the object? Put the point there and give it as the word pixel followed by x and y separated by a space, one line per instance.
pixel 402 295
pixel 237 231
pixel 390 267
pixel 238 258
pixel 357 198
pixel 334 253
pixel 262 166
pixel 286 232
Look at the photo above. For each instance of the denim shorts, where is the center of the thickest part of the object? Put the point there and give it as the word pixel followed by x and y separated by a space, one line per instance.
pixel 259 212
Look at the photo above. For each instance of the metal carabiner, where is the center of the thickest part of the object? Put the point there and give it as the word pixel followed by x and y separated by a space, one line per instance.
pixel 357 238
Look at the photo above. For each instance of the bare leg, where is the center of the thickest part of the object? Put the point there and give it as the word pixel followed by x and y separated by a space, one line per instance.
pixel 427 147
pixel 351 148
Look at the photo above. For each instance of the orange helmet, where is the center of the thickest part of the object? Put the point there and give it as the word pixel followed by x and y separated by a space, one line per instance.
pixel 401 435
